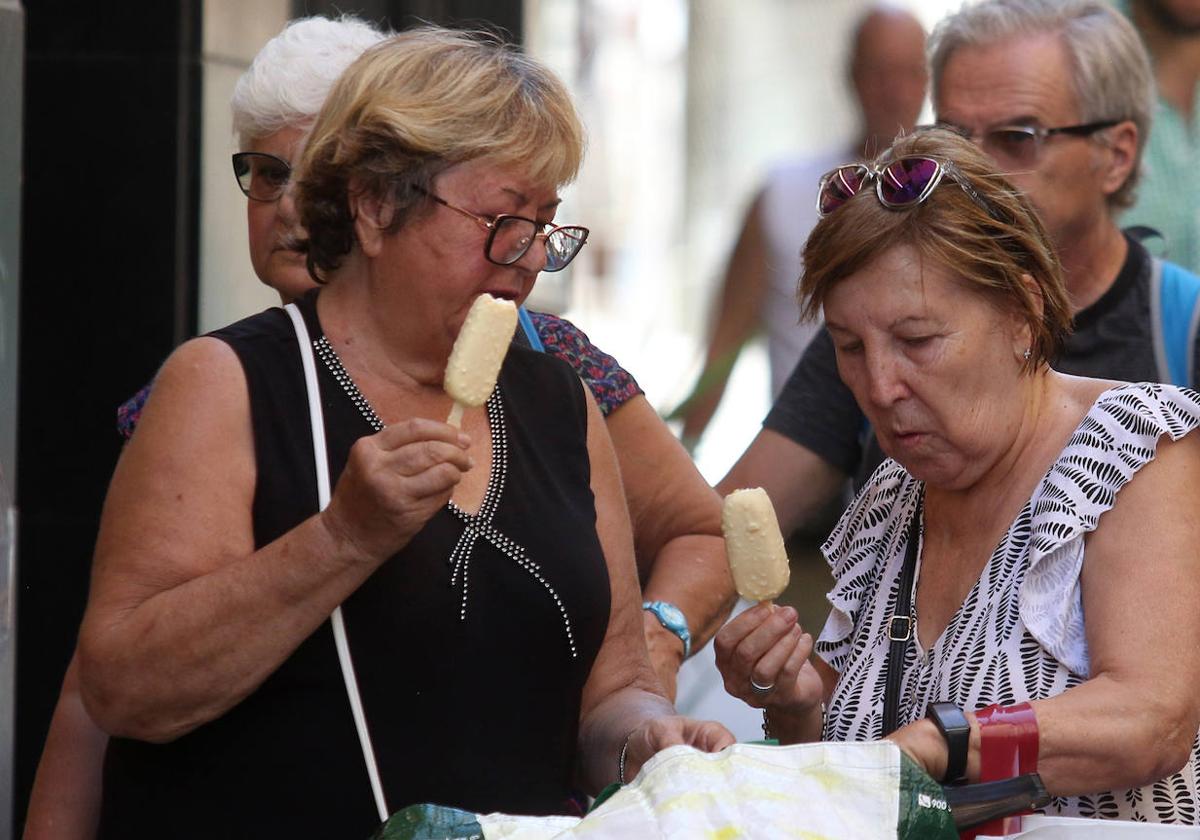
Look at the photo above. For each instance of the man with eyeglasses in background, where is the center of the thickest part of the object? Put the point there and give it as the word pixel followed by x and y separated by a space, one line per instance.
pixel 1059 93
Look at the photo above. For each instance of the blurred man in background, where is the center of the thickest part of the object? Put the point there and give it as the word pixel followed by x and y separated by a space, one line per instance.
pixel 886 70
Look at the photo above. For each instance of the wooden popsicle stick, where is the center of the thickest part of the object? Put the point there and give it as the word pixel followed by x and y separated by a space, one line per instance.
pixel 455 418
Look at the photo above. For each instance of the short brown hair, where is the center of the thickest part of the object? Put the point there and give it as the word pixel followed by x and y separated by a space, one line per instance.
pixel 990 246
pixel 413 106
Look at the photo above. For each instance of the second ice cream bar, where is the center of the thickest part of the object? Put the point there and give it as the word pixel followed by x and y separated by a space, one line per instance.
pixel 754 544
pixel 479 352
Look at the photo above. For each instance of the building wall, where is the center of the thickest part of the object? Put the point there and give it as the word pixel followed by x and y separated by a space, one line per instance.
pixel 232 35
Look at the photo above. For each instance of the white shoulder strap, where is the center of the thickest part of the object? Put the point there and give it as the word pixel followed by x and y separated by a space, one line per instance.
pixel 320 455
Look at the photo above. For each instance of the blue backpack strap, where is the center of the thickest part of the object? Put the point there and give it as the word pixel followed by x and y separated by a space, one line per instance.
pixel 1175 320
pixel 530 330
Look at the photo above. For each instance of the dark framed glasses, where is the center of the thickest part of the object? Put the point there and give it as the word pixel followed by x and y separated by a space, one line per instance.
pixel 510 237
pixel 900 183
pixel 1021 145
pixel 260 176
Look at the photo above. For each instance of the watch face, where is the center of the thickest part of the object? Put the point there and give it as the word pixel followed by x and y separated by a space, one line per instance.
pixel 950 717
pixel 671 614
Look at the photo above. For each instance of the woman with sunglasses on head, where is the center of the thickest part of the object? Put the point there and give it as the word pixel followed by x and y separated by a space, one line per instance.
pixel 1016 587
pixel 486 576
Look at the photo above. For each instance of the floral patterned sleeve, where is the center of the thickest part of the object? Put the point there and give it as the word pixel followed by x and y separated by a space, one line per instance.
pixel 130 411
pixel 610 384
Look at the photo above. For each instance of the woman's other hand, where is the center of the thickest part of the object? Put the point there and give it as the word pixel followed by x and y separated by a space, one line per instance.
pixel 927 747
pixel 394 482
pixel 924 745
pixel 659 733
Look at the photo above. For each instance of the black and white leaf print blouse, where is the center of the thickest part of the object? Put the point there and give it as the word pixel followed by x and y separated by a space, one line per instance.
pixel 1019 635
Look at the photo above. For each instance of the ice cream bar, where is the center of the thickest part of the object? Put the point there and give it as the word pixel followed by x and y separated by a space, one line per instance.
pixel 478 353
pixel 757 557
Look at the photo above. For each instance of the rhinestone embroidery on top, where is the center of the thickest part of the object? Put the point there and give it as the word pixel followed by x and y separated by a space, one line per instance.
pixel 475 526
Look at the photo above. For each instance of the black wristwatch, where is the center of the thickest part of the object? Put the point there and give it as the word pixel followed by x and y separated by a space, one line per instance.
pixel 952 723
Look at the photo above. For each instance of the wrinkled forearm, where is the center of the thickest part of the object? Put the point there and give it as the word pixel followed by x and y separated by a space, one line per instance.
pixel 1104 735
pixel 188 653
pixel 676 520
pixel 603 730
pixel 692 573
pixel 1095 737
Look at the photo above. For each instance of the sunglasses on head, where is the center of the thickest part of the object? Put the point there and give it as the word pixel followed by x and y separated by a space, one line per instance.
pixel 903 182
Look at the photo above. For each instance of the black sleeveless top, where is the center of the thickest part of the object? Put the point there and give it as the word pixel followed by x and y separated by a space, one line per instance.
pixel 476 708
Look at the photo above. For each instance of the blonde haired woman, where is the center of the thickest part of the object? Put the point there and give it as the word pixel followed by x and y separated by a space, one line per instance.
pixel 486 576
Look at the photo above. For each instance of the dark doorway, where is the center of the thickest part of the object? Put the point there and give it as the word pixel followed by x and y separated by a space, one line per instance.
pixel 108 288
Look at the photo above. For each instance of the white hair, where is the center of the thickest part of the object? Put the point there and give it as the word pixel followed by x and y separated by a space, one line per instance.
pixel 288 81
pixel 1111 71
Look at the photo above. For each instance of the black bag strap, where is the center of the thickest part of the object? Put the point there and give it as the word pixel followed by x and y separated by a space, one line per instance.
pixel 901 625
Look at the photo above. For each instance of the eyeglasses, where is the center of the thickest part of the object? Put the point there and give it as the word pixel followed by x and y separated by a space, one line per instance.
pixel 510 237
pixel 903 182
pixel 260 176
pixel 1020 146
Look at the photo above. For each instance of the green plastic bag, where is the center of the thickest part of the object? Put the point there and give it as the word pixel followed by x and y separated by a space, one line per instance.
pixel 924 812
pixel 425 822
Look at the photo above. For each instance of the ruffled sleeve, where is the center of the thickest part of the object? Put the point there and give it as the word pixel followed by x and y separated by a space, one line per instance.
pixel 1117 438
pixel 867 541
